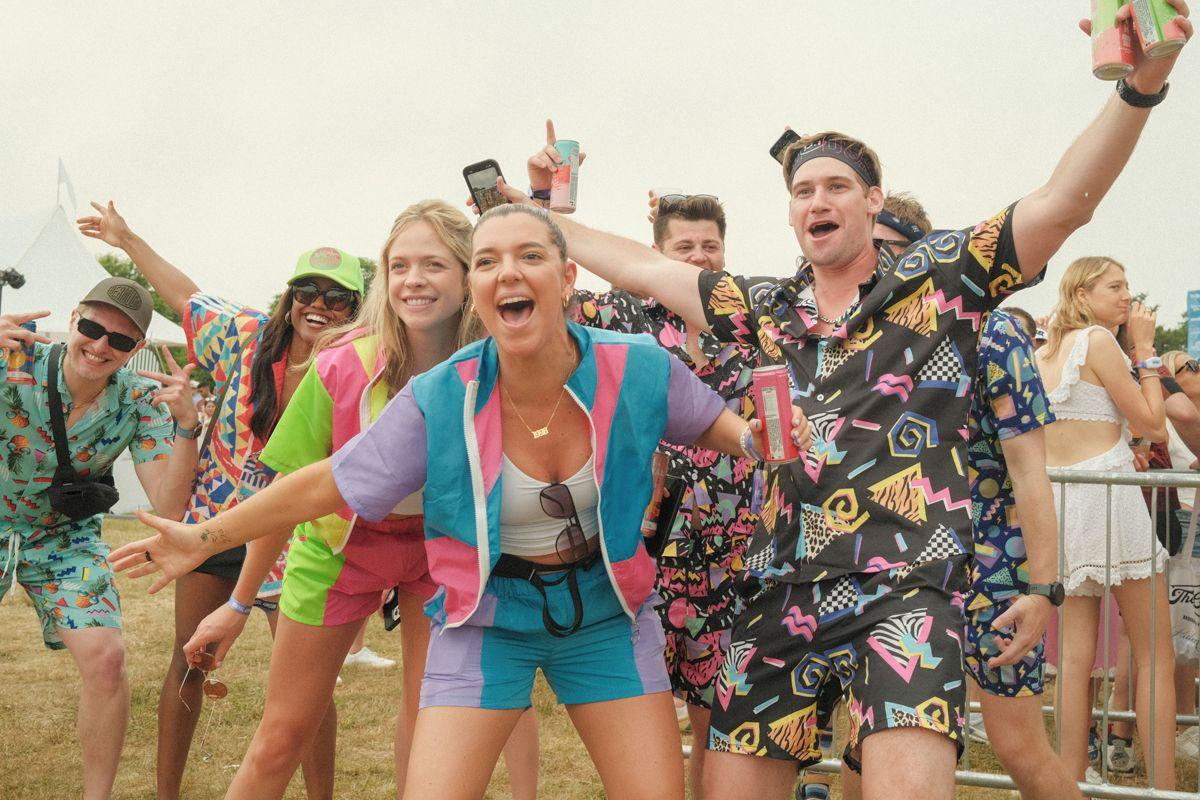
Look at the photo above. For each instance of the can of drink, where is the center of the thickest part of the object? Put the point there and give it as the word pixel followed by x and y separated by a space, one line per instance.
pixel 20 361
pixel 1112 42
pixel 658 474
pixel 1157 26
pixel 564 186
pixel 773 401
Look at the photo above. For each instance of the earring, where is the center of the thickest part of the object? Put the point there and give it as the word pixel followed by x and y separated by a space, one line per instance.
pixel 566 300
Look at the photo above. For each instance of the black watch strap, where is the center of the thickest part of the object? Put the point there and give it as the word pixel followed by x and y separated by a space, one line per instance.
pixel 1054 592
pixel 1138 100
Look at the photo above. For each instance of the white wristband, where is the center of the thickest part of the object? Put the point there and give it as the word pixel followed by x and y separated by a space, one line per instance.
pixel 244 610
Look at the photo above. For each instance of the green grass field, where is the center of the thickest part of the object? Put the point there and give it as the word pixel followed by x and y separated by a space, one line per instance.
pixel 38 691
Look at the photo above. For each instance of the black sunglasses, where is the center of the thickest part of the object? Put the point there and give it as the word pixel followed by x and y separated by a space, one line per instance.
pixel 673 199
pixel 335 298
pixel 96 331
pixel 1191 365
pixel 557 503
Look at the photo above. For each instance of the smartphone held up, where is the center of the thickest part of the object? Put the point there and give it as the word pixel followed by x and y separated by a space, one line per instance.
pixel 481 178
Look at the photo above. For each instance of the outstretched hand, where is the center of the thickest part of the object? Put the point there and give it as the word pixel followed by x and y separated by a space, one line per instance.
pixel 110 227
pixel 176 550
pixel 1149 74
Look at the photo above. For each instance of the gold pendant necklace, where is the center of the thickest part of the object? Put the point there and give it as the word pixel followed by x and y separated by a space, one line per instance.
pixel 545 429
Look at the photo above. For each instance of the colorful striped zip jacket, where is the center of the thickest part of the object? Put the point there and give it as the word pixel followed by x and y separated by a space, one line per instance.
pixel 443 432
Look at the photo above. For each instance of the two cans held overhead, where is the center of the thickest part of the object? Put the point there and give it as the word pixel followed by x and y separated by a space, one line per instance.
pixel 1154 22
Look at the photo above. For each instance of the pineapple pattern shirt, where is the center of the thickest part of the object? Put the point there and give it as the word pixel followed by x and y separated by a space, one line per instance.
pixel 122 418
pixel 63 565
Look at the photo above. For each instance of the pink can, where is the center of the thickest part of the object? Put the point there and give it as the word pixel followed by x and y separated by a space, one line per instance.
pixel 773 401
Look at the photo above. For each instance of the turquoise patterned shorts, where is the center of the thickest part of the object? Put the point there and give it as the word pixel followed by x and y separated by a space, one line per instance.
pixel 65 572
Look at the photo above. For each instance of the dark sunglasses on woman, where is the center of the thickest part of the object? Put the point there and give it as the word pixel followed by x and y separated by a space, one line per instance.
pixel 1191 365
pixel 335 298
pixel 96 331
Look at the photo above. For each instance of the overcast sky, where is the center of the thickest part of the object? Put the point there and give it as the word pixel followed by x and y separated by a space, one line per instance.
pixel 235 136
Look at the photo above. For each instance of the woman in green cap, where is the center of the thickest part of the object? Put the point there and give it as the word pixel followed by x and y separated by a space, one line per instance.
pixel 249 354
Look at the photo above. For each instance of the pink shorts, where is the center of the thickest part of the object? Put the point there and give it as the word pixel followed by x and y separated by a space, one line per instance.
pixel 321 587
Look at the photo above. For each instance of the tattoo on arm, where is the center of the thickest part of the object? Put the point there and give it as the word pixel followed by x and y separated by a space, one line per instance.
pixel 214 535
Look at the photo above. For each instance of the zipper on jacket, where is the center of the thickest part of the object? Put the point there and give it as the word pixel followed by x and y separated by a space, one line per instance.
pixel 612 578
pixel 481 521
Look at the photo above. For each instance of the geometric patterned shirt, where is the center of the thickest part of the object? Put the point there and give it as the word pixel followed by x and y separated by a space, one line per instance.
pixel 1007 399
pixel 223 337
pixel 884 486
pixel 726 484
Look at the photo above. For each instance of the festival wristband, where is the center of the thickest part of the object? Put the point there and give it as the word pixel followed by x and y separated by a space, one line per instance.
pixel 746 441
pixel 242 609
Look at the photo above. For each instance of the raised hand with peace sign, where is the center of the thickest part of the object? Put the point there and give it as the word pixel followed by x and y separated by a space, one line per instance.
pixel 176 391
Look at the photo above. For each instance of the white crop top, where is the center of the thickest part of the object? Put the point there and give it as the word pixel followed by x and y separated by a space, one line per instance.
pixel 1075 398
pixel 525 528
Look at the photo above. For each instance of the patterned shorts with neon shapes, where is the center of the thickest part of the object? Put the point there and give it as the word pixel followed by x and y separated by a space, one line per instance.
pixel 1022 679
pixel 321 587
pixel 891 650
pixel 65 572
pixel 491 661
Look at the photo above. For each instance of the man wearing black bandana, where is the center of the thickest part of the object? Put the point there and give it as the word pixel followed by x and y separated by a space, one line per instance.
pixel 859 560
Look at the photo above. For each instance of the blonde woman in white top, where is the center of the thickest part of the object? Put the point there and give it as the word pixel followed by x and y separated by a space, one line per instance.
pixel 1094 398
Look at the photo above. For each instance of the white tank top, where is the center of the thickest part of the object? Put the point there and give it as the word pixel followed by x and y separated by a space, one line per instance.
pixel 525 528
pixel 1075 398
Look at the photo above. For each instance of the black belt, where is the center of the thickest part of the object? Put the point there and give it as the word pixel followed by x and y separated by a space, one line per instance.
pixel 510 566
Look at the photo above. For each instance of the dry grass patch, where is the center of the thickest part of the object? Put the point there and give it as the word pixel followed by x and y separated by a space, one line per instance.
pixel 39 691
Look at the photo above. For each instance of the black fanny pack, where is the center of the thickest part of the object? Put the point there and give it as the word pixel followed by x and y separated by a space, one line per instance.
pixel 510 566
pixel 75 497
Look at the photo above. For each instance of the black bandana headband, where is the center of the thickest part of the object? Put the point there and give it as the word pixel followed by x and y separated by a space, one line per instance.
pixel 851 155
pixel 909 230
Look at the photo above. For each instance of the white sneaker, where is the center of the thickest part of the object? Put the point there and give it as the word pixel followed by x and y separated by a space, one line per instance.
pixel 1187 744
pixel 975 730
pixel 368 658
pixel 1092 775
pixel 1120 755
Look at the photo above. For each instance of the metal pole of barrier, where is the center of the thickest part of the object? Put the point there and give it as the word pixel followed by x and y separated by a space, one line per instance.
pixel 1106 599
pixel 1151 774
pixel 992 780
pixel 1118 716
pixel 1058 634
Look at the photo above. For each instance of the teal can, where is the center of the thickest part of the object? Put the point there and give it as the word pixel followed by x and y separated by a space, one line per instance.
pixel 564 186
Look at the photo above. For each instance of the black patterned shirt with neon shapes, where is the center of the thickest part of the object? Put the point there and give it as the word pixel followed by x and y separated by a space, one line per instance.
pixel 884 487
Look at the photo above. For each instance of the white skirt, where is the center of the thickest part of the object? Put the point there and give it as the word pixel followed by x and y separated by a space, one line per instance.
pixel 1086 520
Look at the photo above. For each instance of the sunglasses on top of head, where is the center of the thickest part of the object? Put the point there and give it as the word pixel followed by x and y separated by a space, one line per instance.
pixel 96 331
pixel 335 298
pixel 1191 365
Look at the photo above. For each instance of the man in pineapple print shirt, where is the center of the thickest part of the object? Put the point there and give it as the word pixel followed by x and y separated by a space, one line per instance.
pixel 62 563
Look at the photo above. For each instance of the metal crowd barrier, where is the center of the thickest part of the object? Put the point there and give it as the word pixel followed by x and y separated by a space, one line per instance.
pixel 1176 479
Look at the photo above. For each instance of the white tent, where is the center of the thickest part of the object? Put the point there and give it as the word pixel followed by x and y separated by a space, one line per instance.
pixel 45 247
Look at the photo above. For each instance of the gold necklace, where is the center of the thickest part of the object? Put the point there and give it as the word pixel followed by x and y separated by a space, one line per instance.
pixel 545 429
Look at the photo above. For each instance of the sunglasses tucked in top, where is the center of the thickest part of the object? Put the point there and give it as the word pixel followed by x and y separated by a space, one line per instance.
pixel 96 331
pixel 336 298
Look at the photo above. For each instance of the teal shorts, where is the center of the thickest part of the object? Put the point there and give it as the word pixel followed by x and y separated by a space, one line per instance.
pixel 491 661
pixel 65 572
